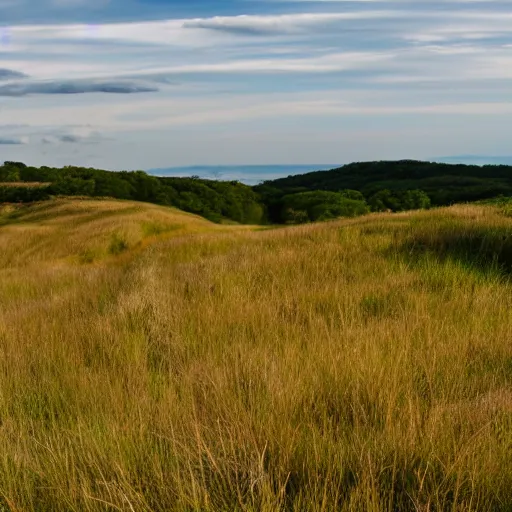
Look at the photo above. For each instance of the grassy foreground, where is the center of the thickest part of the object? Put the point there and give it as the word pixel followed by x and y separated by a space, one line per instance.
pixel 152 361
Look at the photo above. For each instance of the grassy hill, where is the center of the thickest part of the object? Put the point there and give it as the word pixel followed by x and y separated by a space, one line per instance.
pixel 154 361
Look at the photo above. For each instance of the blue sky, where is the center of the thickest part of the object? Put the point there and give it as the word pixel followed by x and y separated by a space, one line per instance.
pixel 137 84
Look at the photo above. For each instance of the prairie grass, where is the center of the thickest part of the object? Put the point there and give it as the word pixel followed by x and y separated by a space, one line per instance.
pixel 24 184
pixel 358 365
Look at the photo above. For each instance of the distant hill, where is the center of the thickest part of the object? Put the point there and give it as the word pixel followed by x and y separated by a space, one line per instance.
pixel 444 183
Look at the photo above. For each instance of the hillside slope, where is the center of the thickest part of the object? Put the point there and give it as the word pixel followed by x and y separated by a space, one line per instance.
pixel 356 365
pixel 87 230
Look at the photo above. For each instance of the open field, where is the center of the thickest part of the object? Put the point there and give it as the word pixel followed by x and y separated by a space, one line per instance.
pixel 153 361
pixel 24 184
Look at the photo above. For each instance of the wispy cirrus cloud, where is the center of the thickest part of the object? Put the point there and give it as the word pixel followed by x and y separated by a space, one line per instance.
pixel 10 74
pixel 16 89
pixel 284 23
pixel 79 135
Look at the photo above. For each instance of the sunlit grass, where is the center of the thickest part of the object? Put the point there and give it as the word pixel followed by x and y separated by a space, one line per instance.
pixel 23 184
pixel 359 365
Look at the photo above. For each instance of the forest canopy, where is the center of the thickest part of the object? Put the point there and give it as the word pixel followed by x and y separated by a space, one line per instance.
pixel 351 190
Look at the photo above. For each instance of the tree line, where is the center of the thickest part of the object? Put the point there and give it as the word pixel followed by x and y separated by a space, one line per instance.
pixel 214 200
pixel 349 191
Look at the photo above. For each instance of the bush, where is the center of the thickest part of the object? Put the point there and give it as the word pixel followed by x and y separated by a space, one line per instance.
pixel 23 194
pixel 398 201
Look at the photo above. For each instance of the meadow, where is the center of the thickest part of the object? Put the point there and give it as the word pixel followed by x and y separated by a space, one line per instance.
pixel 153 361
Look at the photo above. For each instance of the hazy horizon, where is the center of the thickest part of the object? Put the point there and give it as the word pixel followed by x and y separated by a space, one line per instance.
pixel 254 174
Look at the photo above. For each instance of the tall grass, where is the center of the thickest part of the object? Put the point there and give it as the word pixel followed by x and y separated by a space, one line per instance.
pixel 359 365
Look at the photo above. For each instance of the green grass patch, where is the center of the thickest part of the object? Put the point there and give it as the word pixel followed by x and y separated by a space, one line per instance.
pixel 118 244
pixel 88 256
pixel 158 228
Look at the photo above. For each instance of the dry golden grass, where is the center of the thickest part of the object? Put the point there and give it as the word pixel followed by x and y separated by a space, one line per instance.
pixel 23 184
pixel 152 361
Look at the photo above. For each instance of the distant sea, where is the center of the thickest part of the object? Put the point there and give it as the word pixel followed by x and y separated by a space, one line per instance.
pixel 249 174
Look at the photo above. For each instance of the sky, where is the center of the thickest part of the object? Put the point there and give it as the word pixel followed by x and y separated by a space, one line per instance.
pixel 140 84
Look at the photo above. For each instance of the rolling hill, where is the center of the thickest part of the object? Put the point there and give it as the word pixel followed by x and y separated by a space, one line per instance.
pixel 154 361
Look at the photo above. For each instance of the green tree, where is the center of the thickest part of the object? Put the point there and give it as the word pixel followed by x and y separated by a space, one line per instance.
pixel 353 194
pixel 321 205
pixel 10 172
pixel 68 186
pixel 382 201
pixel 415 200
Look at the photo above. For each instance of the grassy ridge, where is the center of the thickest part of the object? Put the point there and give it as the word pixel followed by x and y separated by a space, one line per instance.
pixel 357 365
